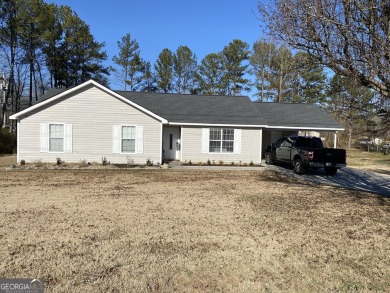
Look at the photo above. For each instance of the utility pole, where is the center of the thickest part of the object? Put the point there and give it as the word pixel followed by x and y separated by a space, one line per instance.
pixel 3 92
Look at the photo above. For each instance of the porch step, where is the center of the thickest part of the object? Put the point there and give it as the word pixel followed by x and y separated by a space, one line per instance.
pixel 173 164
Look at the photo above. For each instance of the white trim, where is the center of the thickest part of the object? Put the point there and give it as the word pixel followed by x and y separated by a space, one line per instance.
pixel 261 144
pixel 48 137
pixel 161 143
pixel 76 88
pixel 139 139
pixel 120 139
pixel 234 152
pixel 205 142
pixel 181 144
pixel 68 138
pixel 18 141
pixel 216 125
pixel 304 128
pixel 237 141
pixel 116 136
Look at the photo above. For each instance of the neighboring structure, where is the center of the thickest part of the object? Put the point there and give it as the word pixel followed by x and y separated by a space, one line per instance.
pixel 89 122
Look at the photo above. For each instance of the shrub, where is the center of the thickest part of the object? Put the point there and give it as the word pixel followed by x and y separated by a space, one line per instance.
pixel 22 162
pixel 189 163
pixel 104 161
pixel 231 163
pixel 130 161
pixel 58 161
pixel 83 163
pixel 251 164
pixel 149 162
pixel 7 141
pixel 208 162
pixel 220 162
pixel 38 163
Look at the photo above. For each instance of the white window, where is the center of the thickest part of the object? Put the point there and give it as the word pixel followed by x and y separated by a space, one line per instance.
pixel 128 139
pixel 221 140
pixel 56 137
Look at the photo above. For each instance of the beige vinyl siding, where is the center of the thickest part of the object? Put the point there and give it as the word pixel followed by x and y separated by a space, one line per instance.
pixel 92 113
pixel 191 143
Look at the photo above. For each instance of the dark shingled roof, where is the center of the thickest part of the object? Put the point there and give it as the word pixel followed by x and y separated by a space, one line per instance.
pixel 177 108
pixel 296 115
pixel 237 110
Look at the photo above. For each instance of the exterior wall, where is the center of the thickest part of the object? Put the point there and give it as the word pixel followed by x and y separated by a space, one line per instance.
pixel 191 147
pixel 92 113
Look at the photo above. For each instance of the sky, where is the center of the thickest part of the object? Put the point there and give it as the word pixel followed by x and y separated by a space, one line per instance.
pixel 205 26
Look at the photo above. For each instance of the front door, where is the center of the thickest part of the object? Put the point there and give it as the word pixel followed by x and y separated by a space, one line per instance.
pixel 171 143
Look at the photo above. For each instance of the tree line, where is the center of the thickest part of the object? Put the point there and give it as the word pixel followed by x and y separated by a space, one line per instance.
pixel 46 46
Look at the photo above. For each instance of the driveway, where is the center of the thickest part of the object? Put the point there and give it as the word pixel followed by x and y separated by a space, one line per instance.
pixel 347 177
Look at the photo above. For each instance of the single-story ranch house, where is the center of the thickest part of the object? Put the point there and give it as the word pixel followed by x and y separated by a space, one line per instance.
pixel 89 122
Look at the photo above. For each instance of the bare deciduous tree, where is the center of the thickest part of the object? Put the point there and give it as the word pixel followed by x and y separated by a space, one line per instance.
pixel 350 37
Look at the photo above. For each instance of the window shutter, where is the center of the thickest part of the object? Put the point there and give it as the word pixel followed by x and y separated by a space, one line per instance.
pixel 44 140
pixel 140 139
pixel 116 139
pixel 68 138
pixel 205 140
pixel 237 141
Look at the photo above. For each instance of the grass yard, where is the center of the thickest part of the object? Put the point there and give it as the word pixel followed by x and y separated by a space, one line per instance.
pixel 367 160
pixel 190 231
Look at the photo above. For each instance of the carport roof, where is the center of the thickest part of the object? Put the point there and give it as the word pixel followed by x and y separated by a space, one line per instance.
pixel 299 116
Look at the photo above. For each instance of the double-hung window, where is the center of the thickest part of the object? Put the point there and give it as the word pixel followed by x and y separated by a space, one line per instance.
pixel 221 140
pixel 56 137
pixel 128 139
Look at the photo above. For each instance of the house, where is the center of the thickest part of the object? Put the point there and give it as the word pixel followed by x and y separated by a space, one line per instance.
pixel 89 122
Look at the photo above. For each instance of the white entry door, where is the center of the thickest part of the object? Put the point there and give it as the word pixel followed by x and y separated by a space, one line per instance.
pixel 171 143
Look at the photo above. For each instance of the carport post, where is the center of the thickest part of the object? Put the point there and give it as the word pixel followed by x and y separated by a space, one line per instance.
pixel 335 140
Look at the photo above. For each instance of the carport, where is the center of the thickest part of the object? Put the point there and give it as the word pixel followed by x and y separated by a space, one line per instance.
pixel 294 119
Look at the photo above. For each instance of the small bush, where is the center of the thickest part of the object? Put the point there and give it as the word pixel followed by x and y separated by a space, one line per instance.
pixel 58 161
pixel 83 163
pixel 220 162
pixel 7 141
pixel 208 162
pixel 38 163
pixel 251 164
pixel 189 163
pixel 130 161
pixel 149 162
pixel 22 162
pixel 245 164
pixel 104 161
pixel 231 163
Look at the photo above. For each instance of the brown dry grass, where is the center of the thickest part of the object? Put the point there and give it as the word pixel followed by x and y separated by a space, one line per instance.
pixel 190 231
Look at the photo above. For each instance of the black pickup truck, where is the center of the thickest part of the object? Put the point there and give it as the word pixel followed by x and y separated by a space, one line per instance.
pixel 305 152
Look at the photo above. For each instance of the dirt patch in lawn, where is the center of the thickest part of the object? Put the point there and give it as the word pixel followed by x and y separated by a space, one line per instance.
pixel 190 231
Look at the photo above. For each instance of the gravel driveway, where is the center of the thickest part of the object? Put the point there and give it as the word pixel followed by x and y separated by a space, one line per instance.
pixel 347 177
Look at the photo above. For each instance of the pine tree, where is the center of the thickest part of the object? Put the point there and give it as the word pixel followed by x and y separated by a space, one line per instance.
pixel 129 62
pixel 233 57
pixel 184 69
pixel 164 71
pixel 210 74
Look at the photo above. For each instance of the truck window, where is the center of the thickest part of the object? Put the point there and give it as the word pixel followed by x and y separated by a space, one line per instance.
pixel 309 142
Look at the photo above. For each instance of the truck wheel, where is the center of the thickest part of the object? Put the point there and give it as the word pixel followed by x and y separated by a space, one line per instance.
pixel 298 167
pixel 268 159
pixel 330 171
